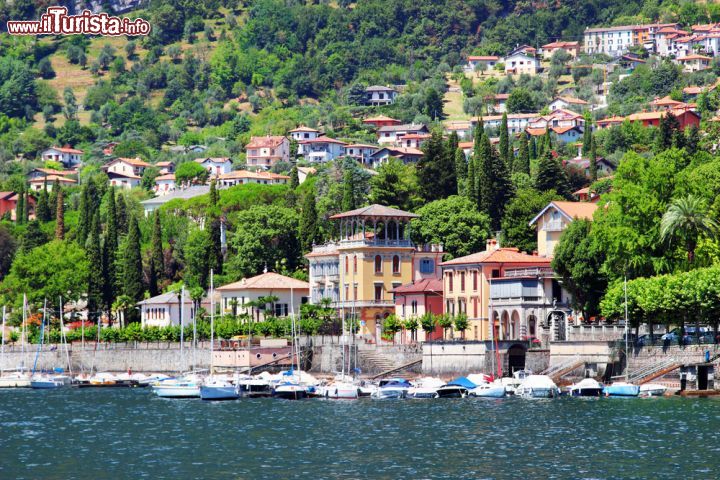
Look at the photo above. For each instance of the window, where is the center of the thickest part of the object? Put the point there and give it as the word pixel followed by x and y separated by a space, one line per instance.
pixel 281 310
pixel 450 282
pixel 378 292
pixel 396 264
pixel 414 307
pixel 347 269
pixel 427 265
pixel 347 291
pixel 354 263
pixel 496 273
pixel 355 293
pixel 378 264
pixel 475 279
pixel 462 281
pixel 475 308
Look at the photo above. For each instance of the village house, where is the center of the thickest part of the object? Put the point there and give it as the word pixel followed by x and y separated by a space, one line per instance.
pixel 521 63
pixel 568 103
pixel 554 219
pixel 665 103
pixel 481 63
pixel 164 184
pixel 462 129
pixel 380 95
pixel 166 167
pixel 381 121
pixel 360 152
pixel 391 134
pixel 69 157
pixel 497 103
pixel 468 282
pixel 413 140
pixel 267 151
pixel 549 49
pixel 241 177
pixel 321 149
pixel 166 309
pixel 303 133
pixel 407 155
pixel 215 166
pixel 43 173
pixel 517 122
pixel 149 206
pixel 613 41
pixel 558 118
pixel 609 122
pixel 134 166
pixel 694 63
pixel 425 293
pixel 604 166
pixel 692 92
pixel 8 205
pixel 39 183
pixel 686 118
pixel 285 296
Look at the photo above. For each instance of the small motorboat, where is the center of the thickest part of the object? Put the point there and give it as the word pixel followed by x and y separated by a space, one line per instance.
pixel 104 380
pixel 339 390
pixel 177 388
pixel 457 388
pixel 587 387
pixel 425 388
pixel 537 386
pixel 48 381
pixel 219 388
pixel 652 390
pixel 495 389
pixel 621 389
pixel 15 380
pixel 254 386
pixel 393 388
pixel 290 391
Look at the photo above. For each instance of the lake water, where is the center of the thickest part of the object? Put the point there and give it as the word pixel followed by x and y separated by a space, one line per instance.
pixel 118 433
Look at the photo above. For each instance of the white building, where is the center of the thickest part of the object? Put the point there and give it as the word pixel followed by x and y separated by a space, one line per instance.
pixel 267 151
pixel 390 134
pixel 481 63
pixel 519 63
pixel 69 157
pixel 241 177
pixel 126 166
pixel 360 152
pixel 613 41
pixel 164 184
pixel 379 95
pixel 568 102
pixel 164 310
pixel 321 149
pixel 303 133
pixel 124 180
pixel 290 293
pixel 215 166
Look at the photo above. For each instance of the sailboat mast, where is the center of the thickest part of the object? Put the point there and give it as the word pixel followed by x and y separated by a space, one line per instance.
pixel 63 336
pixel 627 358
pixel 2 348
pixel 212 320
pixel 342 345
pixel 182 329
pixel 24 332
pixel 42 337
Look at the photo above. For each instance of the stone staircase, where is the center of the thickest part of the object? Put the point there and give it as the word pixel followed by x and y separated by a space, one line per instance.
pixel 372 361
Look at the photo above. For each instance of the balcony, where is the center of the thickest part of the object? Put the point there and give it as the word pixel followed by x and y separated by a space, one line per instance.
pixel 376 243
pixel 530 272
pixel 554 226
pixel 364 303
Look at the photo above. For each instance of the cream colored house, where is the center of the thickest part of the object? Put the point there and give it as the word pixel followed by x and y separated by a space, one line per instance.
pixel 554 219
pixel 291 293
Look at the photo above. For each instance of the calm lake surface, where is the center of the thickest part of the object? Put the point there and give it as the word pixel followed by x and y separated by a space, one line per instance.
pixel 119 433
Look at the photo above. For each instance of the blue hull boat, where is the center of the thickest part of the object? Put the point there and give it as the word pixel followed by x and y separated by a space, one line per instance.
pixel 621 389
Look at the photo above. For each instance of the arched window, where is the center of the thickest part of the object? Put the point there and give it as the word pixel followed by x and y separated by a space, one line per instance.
pixel 347 268
pixel 378 264
pixel 396 264
pixel 354 263
pixel 450 281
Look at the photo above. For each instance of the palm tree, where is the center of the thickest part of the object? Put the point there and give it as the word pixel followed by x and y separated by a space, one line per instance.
pixel 687 220
pixel 120 305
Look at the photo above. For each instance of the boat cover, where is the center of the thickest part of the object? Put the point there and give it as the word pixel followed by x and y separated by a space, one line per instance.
pixel 463 382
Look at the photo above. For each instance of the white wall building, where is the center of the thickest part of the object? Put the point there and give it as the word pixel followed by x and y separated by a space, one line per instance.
pixel 290 292
pixel 69 157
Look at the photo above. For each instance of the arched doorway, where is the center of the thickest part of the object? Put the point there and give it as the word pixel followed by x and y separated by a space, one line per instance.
pixel 532 326
pixel 516 358
pixel 505 320
pixel 495 326
pixel 515 325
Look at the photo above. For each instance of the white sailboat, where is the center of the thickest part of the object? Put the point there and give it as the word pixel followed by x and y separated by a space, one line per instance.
pixel 292 388
pixel 623 389
pixel 46 380
pixel 217 388
pixel 17 379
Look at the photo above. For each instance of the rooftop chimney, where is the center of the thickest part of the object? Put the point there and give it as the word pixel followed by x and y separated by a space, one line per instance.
pixel 491 245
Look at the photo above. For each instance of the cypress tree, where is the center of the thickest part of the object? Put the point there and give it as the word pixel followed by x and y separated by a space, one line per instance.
pixel 52 200
pixel 89 204
pixel 471 183
pixel 547 141
pixel 132 271
pixel 109 249
pixel 308 222
pixel 587 134
pixel 551 176
pixel 294 178
pixel 348 199
pixel 461 171
pixel 593 160
pixel 122 215
pixel 668 126
pixel 436 169
pixel 532 150
pixel 20 206
pixel 42 209
pixel 26 207
pixel 158 256
pixel 216 256
pixel 60 215
pixel 692 139
pixel 484 175
pixel 502 189
pixel 93 253
pixel 504 145
pixel 522 162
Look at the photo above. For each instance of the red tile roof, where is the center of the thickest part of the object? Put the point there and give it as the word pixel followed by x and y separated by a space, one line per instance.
pixel 267 281
pixel 479 58
pixel 68 150
pixel 269 141
pixel 426 285
pixel 500 255
pixel 135 162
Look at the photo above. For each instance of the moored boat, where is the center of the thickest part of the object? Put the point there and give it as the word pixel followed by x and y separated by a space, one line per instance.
pixel 339 390
pixel 217 388
pixel 457 388
pixel 393 388
pixel 652 390
pixel 254 387
pixel 621 389
pixel 48 381
pixel 488 390
pixel 537 386
pixel 290 391
pixel 425 388
pixel 15 380
pixel 587 387
pixel 177 388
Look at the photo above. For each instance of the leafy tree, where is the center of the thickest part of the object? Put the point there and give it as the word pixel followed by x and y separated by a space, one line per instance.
pixel 578 261
pixel 461 171
pixel 189 173
pixel 20 206
pixel 33 236
pixel 436 170
pixel 551 176
pixel 669 126
pixel 391 326
pixel 294 178
pixel 593 159
pixel 49 271
pixel 42 208
pixel 349 198
pixel 157 257
pixel 71 108
pixel 433 104
pixel 520 101
pixel 518 214
pixel 148 178
pixel 460 322
pixel 197 263
pixel 687 220
pixel 455 223
pixel 215 254
pixel 428 323
pixel 106 56
pixel 308 222
pixel 395 185
pixel 45 68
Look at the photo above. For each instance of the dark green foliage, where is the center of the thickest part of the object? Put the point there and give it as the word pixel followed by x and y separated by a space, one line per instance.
pixel 89 204
pixel 395 185
pixel 33 236
pixel 436 169
pixel 20 206
pixel 122 214
pixel 461 171
pixel 433 105
pixel 504 146
pixel 692 139
pixel 669 127
pixel 215 256
pixel 189 173
pixel 157 257
pixel 8 245
pixel 294 179
pixel 132 271
pixel 59 213
pixel 95 277
pixel 520 101
pixel 42 208
pixel 521 164
pixel 519 212
pixel 593 159
pixel 551 176
pixel 308 222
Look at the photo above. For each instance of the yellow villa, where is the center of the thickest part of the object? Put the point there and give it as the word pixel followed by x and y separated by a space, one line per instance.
pixel 555 218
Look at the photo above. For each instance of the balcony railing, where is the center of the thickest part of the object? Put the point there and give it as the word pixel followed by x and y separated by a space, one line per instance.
pixel 529 272
pixel 364 303
pixel 376 243
pixel 554 226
